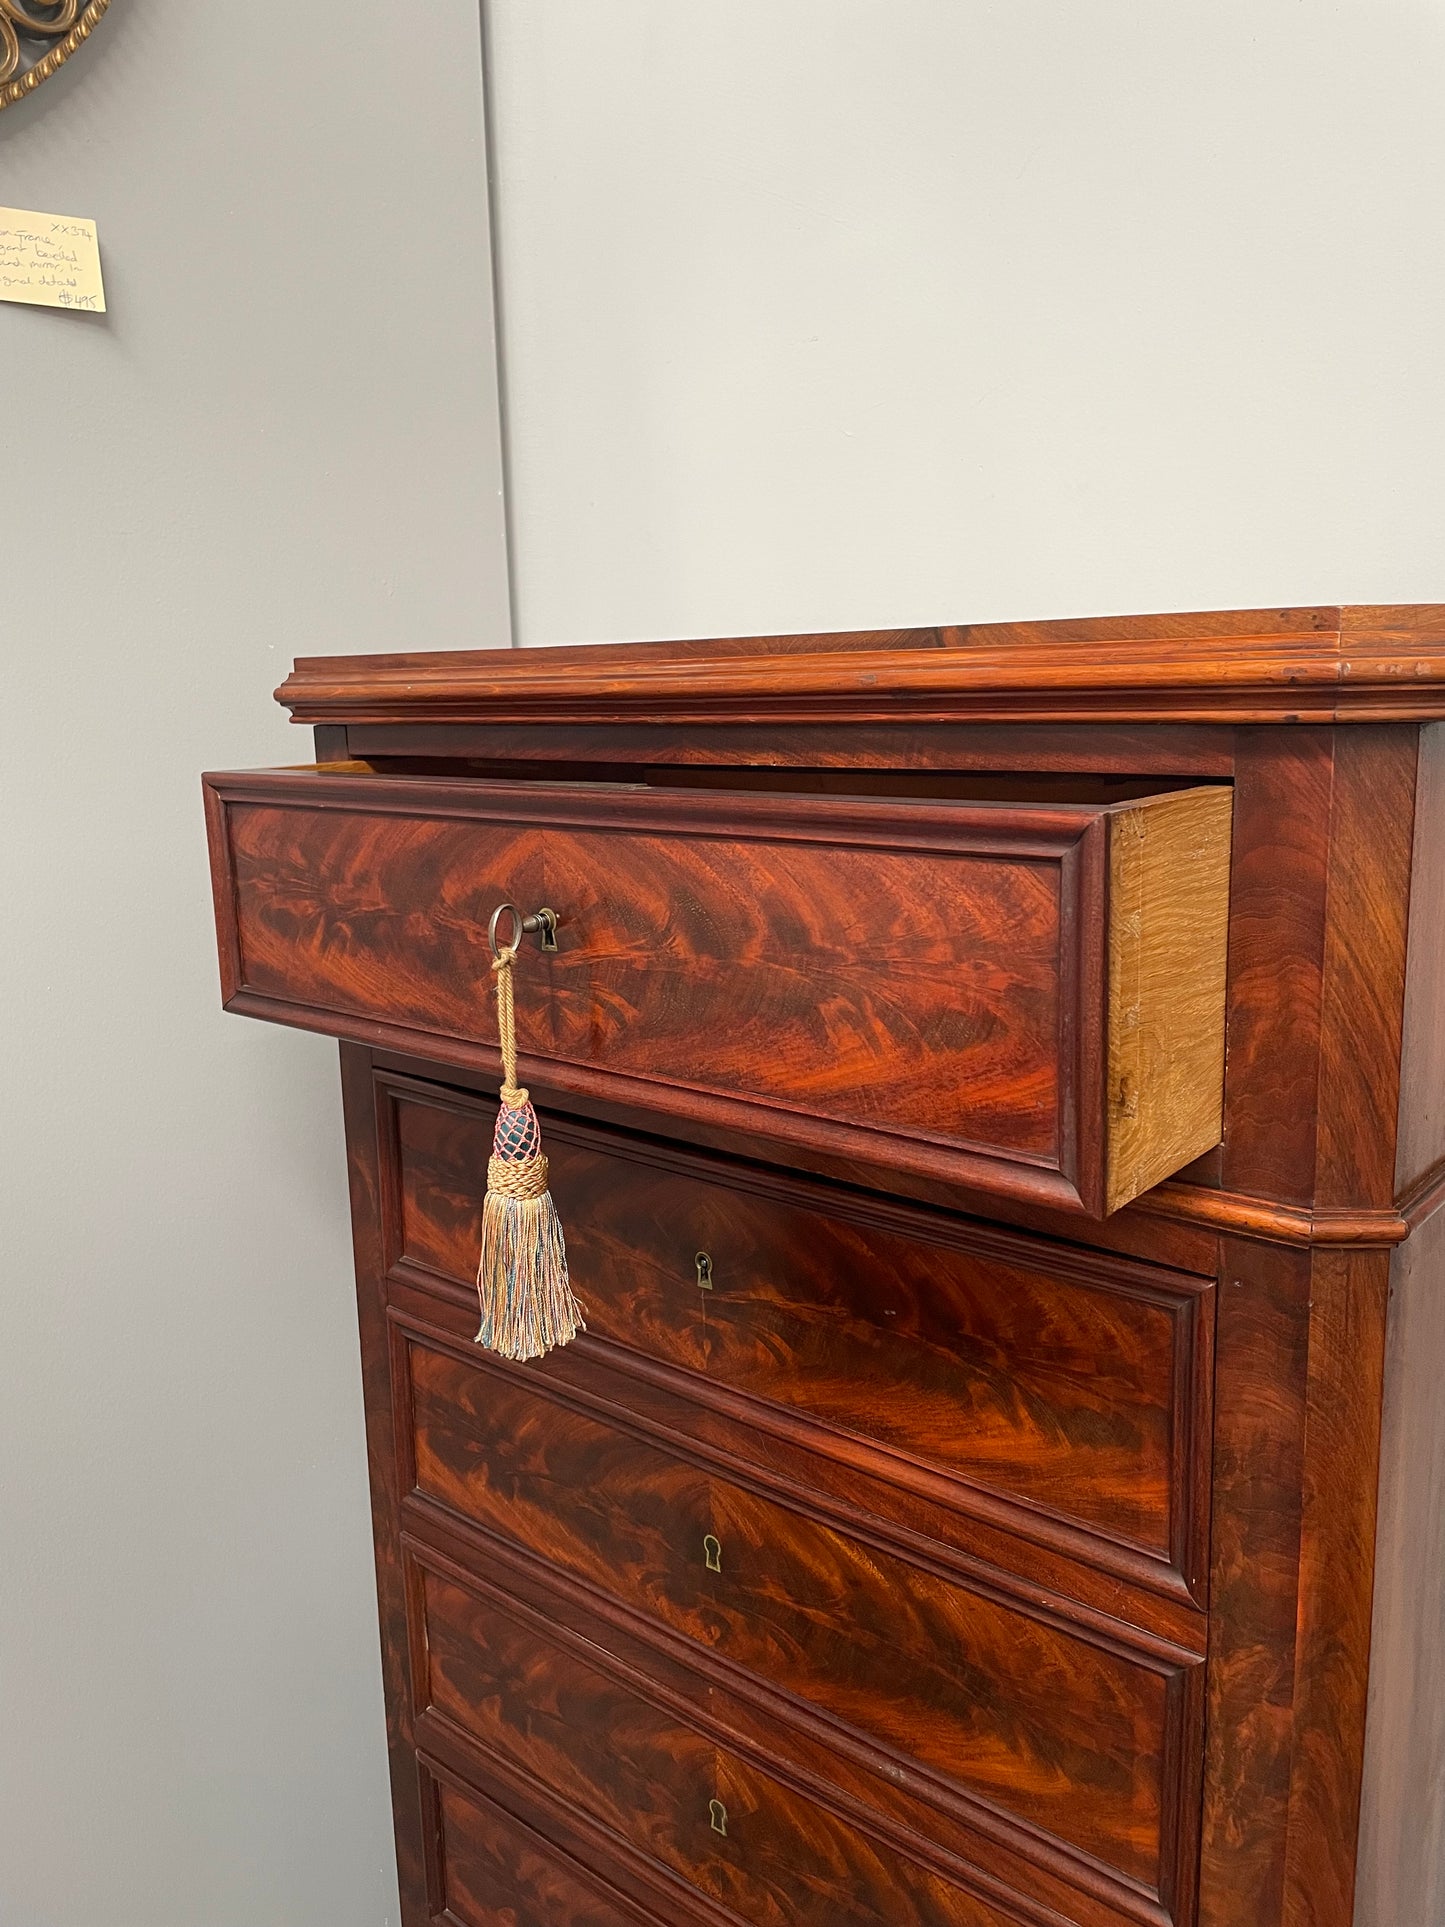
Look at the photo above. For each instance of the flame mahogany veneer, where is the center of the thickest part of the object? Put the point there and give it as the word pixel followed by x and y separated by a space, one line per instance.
pixel 1041 1031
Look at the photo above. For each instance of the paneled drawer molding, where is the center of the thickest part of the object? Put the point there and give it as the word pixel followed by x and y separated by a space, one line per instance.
pixel 540 1701
pixel 1061 1734
pixel 1064 1392
pixel 1024 996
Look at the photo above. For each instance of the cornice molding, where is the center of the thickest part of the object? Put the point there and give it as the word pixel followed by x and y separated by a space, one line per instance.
pixel 1321 665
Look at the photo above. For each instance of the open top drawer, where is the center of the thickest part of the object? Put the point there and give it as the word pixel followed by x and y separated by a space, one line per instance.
pixel 1023 996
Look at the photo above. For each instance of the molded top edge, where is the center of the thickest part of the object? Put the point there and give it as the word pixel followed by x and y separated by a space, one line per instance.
pixel 1278 665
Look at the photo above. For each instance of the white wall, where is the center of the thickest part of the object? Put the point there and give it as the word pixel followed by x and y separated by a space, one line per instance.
pixel 838 313
pixel 271 445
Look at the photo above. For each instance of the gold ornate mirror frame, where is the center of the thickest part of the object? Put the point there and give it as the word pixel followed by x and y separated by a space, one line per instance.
pixel 38 38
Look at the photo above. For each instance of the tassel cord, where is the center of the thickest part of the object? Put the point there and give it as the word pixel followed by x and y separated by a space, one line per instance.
pixel 512 1092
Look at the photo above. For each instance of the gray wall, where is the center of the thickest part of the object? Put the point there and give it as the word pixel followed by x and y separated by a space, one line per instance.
pixel 282 438
pixel 846 312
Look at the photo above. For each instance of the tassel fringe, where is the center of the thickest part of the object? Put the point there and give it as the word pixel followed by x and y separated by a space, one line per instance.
pixel 526 1296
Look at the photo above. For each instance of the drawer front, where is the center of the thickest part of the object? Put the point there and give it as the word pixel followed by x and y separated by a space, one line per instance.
pixel 988 1701
pixel 994 993
pixel 488 1870
pixel 1073 1387
pixel 558 1715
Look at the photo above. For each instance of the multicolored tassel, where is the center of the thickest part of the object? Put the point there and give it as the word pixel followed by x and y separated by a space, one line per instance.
pixel 526 1296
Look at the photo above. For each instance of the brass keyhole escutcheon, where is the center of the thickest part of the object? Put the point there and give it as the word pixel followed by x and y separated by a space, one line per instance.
pixel 704 1271
pixel 718 1814
pixel 712 1552
pixel 547 929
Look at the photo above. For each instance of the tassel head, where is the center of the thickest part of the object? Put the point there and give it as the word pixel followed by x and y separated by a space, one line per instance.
pixel 526 1296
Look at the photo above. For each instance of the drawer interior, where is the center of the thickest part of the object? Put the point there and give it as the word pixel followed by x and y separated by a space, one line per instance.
pixel 990 786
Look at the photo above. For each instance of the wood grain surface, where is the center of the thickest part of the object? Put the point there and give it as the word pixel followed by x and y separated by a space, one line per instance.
pixel 1168 931
pixel 831 968
pixel 1401 1872
pixel 488 1869
pixel 1072 1386
pixel 1363 967
pixel 368 1173
pixel 1319 665
pixel 1185 752
pixel 1262 1356
pixel 1402 1829
pixel 914 988
pixel 1348 1296
pixel 1323 827
pixel 570 1721
pixel 1421 1151
pixel 1067 1733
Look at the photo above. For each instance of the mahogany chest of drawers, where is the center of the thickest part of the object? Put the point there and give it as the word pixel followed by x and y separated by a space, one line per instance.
pixel 994 1081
